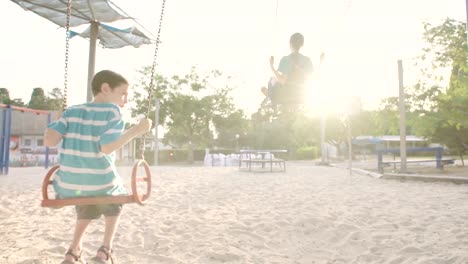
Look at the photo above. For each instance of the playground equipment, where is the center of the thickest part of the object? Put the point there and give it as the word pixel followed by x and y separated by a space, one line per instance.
pixel 5 133
pixel 135 197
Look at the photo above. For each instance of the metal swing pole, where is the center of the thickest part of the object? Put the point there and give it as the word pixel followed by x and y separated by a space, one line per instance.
pixel 3 140
pixel 401 107
pixel 47 150
pixel 92 58
pixel 6 164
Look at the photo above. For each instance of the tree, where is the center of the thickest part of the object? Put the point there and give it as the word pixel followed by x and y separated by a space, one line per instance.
pixel 5 98
pixel 228 127
pixel 193 108
pixel 38 100
pixel 305 131
pixel 441 107
pixel 386 119
pixel 188 122
pixel 55 99
pixel 336 130
pixel 4 95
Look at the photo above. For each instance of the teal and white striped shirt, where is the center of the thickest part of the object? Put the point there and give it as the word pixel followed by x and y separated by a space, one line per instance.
pixel 84 169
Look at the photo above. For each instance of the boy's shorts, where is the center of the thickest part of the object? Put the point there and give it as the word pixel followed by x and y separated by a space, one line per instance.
pixel 90 212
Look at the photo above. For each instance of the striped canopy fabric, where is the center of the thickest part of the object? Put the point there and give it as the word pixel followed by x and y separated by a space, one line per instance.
pixel 83 11
pixel 114 38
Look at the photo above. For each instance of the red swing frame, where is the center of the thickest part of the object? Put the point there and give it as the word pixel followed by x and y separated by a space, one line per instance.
pixel 135 197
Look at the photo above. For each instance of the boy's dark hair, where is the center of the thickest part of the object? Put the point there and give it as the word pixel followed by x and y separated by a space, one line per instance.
pixel 296 40
pixel 109 77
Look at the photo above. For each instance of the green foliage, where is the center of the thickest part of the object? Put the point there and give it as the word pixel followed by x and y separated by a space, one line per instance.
pixel 5 98
pixel 194 110
pixel 4 95
pixel 441 108
pixel 305 131
pixel 55 99
pixel 279 129
pixel 336 130
pixel 42 102
pixel 386 119
pixel 228 128
pixel 38 99
pixel 305 153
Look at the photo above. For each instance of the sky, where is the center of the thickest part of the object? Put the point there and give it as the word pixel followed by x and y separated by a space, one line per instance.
pixel 362 40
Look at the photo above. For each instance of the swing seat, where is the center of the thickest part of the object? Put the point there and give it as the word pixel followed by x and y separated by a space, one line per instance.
pixel 135 197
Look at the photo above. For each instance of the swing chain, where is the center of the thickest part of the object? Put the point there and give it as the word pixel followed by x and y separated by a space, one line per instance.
pixel 67 40
pixel 155 56
pixel 276 11
pixel 153 71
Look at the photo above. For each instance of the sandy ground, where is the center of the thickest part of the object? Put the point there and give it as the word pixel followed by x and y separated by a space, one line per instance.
pixel 207 215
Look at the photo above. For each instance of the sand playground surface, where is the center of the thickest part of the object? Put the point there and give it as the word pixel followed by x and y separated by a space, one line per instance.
pixel 309 214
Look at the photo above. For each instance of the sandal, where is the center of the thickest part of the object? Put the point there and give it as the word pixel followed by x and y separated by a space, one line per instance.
pixel 76 258
pixel 106 252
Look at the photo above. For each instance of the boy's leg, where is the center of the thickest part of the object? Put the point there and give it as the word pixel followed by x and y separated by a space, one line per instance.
pixel 111 226
pixel 268 92
pixel 77 243
pixel 273 89
pixel 264 91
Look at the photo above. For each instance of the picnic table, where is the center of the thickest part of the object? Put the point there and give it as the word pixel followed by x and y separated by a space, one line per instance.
pixel 261 157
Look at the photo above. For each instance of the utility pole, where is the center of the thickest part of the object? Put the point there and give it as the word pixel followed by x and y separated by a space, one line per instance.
pixel 323 123
pixel 156 125
pixel 350 145
pixel 401 107
pixel 324 160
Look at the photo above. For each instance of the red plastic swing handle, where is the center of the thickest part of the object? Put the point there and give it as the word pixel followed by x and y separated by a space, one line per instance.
pixel 141 199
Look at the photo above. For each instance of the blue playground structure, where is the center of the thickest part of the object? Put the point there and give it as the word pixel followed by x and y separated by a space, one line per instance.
pixel 5 134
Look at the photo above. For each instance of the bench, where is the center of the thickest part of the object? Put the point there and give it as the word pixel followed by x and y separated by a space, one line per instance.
pixel 443 162
pixel 250 157
pixel 440 162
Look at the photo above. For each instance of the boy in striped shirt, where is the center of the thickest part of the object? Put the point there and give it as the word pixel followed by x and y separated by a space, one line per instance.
pixel 90 133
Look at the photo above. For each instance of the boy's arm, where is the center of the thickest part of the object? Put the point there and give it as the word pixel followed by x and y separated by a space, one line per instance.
pixel 52 137
pixel 55 131
pixel 282 78
pixel 142 127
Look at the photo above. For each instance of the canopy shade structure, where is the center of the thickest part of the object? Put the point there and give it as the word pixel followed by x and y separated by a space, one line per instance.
pixel 94 13
pixel 82 11
pixel 114 38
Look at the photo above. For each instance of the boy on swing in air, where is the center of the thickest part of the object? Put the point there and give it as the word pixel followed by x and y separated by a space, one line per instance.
pixel 290 78
pixel 90 133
